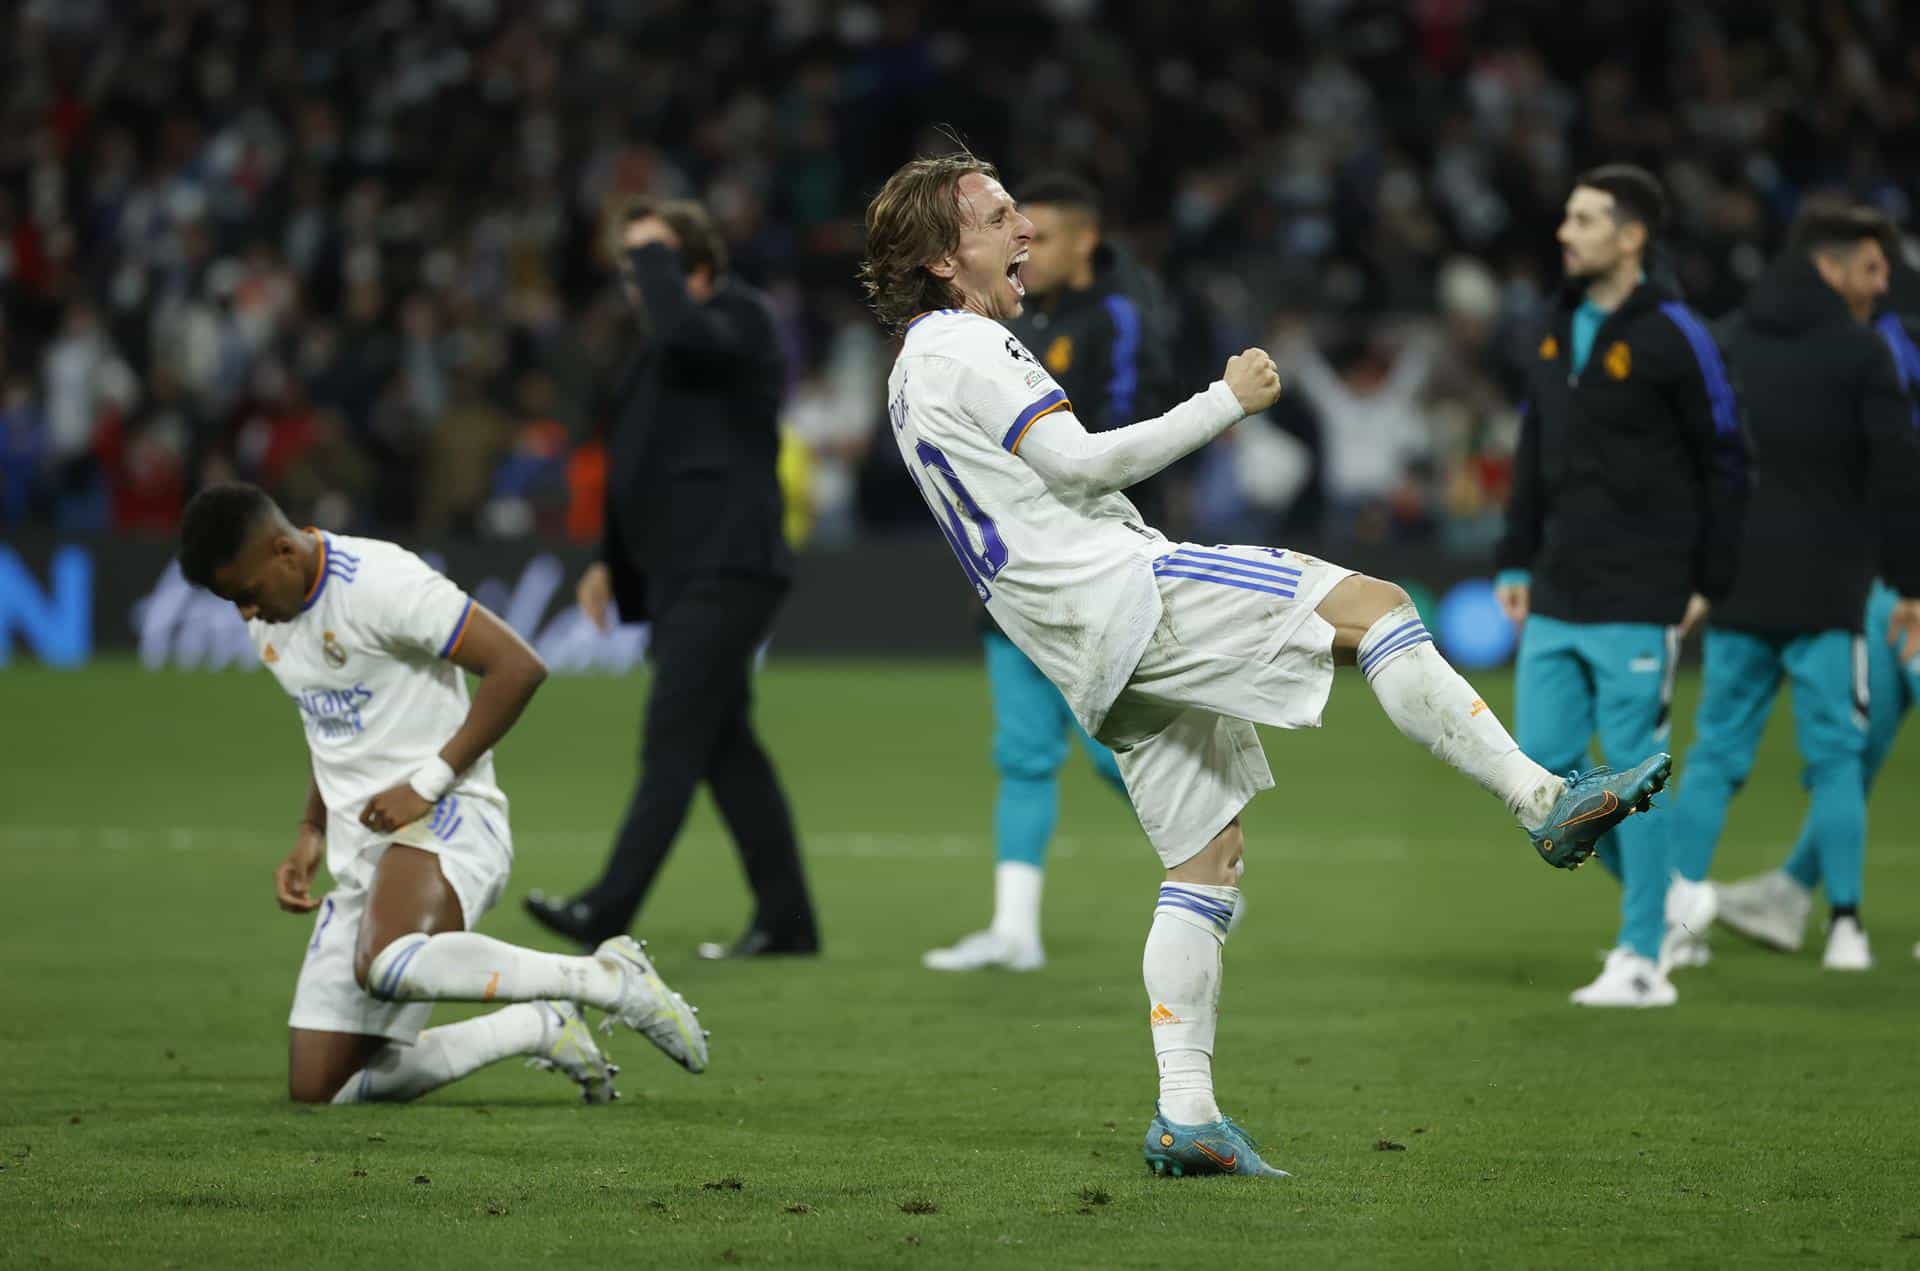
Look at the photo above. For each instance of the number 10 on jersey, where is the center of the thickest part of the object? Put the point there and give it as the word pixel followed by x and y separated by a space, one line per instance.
pixel 969 530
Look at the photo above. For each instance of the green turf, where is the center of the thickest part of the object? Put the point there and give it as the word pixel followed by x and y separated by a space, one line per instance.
pixel 1395 1027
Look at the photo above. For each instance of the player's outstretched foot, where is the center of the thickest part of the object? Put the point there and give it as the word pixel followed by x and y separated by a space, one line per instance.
pixel 1219 1148
pixel 571 1052
pixel 985 949
pixel 650 1008
pixel 1594 802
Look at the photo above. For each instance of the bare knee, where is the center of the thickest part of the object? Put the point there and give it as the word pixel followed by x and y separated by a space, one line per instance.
pixel 1218 864
pixel 1354 605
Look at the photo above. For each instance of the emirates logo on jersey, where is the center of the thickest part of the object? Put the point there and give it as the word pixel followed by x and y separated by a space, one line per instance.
pixel 330 650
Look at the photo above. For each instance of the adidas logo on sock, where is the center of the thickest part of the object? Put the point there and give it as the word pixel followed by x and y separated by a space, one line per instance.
pixel 1161 1015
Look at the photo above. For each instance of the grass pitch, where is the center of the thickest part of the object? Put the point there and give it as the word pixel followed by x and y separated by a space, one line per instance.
pixel 1395 1027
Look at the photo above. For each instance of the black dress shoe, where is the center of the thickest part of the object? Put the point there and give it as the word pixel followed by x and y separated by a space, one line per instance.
pixel 759 944
pixel 569 919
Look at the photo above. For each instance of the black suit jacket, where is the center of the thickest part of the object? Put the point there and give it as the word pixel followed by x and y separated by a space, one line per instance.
pixel 691 487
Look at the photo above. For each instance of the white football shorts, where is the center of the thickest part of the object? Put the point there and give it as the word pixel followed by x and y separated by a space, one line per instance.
pixel 1238 644
pixel 474 842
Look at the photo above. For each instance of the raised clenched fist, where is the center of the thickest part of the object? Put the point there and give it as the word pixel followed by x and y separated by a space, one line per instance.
pixel 1254 379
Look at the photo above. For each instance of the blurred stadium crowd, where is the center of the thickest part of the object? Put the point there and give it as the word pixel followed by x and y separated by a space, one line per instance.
pixel 358 252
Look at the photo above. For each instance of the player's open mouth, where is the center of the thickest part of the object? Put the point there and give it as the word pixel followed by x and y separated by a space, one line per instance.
pixel 1013 274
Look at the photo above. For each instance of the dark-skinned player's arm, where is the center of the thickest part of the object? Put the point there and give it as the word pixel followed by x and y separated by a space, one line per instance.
pixel 510 672
pixel 293 877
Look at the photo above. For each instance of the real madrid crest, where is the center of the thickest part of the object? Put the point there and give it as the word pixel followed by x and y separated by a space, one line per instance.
pixel 1619 360
pixel 1549 349
pixel 330 650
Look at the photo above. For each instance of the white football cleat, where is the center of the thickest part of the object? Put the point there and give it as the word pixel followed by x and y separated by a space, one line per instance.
pixel 571 1052
pixel 984 949
pixel 1690 910
pixel 1628 980
pixel 1770 908
pixel 1847 947
pixel 650 1008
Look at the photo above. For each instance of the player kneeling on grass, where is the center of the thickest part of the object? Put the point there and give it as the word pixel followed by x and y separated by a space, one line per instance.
pixel 1167 652
pixel 371 643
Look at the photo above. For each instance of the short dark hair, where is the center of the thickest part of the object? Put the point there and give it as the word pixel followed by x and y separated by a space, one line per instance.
pixel 1062 189
pixel 1637 195
pixel 701 242
pixel 217 524
pixel 1828 227
pixel 913 221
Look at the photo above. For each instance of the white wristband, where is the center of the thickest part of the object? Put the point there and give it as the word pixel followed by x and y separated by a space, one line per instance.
pixel 434 779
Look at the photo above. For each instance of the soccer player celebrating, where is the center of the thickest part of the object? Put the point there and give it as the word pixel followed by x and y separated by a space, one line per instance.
pixel 1629 492
pixel 1169 653
pixel 371 644
pixel 1087 317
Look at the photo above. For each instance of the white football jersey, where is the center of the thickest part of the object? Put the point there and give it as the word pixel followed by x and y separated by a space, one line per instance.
pixel 365 663
pixel 1070 581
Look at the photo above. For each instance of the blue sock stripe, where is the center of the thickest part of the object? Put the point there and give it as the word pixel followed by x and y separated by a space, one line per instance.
pixel 389 982
pixel 1199 897
pixel 1217 912
pixel 1372 661
pixel 1213 920
pixel 1369 648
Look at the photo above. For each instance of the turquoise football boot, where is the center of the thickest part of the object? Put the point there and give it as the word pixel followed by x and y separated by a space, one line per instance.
pixel 1594 802
pixel 1220 1148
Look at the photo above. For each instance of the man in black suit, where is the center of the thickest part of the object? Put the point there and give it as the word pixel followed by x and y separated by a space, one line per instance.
pixel 693 542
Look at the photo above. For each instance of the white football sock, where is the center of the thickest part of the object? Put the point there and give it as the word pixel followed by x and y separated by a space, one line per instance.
pixel 1016 901
pixel 1182 971
pixel 440 1055
pixel 465 966
pixel 1430 703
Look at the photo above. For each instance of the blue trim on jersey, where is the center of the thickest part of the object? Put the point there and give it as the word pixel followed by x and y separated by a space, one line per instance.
pixel 1906 357
pixel 1726 418
pixel 1167 569
pixel 922 317
pixel 1031 413
pixel 334 563
pixel 1125 381
pixel 1285 572
pixel 459 628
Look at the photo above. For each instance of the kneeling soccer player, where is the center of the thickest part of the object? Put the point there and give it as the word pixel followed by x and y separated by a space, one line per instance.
pixel 1167 652
pixel 371 644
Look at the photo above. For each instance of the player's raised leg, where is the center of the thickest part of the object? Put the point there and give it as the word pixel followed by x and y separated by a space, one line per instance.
pixel 1377 627
pixel 412 948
